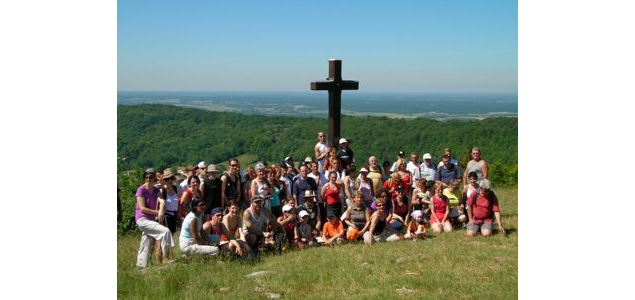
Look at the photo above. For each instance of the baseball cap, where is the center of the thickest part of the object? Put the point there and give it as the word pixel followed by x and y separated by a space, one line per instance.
pixel 416 214
pixel 217 210
pixel 343 140
pixel 427 156
pixel 303 213
pixel 257 199
pixel 363 170
pixel 286 208
pixel 202 165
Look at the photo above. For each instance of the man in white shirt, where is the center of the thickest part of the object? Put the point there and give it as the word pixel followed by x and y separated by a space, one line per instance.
pixel 413 166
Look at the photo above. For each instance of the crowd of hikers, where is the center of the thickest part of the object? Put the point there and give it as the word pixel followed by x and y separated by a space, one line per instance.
pixel 326 200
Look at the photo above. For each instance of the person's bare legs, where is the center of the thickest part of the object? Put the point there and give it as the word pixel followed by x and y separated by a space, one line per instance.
pixel 447 226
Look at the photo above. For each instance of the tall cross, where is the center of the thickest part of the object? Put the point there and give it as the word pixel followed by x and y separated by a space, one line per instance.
pixel 334 84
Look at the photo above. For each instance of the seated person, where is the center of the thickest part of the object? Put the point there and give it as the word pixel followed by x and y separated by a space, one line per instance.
pixel 221 236
pixel 288 221
pixel 333 231
pixel 314 211
pixel 304 232
pixel 378 231
pixel 457 214
pixel 254 219
pixel 190 240
pixel 416 226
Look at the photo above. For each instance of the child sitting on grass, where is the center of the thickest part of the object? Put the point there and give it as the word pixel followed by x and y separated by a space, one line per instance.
pixel 416 226
pixel 333 231
pixel 303 232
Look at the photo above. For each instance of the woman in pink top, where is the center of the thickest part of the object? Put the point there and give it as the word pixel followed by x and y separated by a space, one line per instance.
pixel 439 210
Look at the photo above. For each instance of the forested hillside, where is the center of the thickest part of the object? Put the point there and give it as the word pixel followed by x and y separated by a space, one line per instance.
pixel 162 136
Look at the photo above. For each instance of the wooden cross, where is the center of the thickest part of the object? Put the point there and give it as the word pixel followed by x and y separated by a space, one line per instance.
pixel 334 84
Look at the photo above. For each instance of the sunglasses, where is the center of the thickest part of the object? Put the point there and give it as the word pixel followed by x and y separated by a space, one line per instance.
pixel 233 165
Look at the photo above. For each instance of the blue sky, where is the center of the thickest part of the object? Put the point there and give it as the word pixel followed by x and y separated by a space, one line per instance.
pixel 397 46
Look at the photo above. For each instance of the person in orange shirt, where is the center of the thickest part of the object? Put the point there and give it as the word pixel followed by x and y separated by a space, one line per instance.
pixel 333 231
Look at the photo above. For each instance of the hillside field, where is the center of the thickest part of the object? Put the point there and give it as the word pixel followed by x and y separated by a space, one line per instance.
pixel 444 266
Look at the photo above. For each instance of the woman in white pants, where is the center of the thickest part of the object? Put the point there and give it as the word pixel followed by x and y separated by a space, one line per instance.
pixel 146 215
pixel 190 240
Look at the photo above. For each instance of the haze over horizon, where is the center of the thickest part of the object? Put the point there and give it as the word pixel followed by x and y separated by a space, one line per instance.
pixel 248 46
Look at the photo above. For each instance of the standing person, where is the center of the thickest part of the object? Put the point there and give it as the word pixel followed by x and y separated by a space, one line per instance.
pixel 378 231
pixel 345 154
pixel 190 239
pixel 284 178
pixel 245 183
pixel 146 215
pixel 400 157
pixel 319 178
pixel 348 184
pixel 213 189
pixel 470 189
pixel 476 165
pixel 231 183
pixel 303 183
pixel 428 168
pixel 192 191
pixel 386 170
pixel 277 189
pixel 414 167
pixel 365 185
pixel 191 171
pixel 260 186
pixel 331 194
pixel 439 210
pixel 169 196
pixel 393 184
pixel 480 208
pixel 406 177
pixel 321 151
pixel 375 173
pixel 447 171
pixel 448 152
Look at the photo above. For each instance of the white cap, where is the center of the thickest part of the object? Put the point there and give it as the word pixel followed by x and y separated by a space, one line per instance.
pixel 202 165
pixel 363 170
pixel 303 213
pixel 286 208
pixel 308 159
pixel 343 140
pixel 427 156
pixel 416 214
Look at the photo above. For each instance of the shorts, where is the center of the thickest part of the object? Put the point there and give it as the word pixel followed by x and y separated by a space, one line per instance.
pixel 475 227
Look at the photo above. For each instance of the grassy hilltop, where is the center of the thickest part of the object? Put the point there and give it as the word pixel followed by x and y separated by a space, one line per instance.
pixel 445 266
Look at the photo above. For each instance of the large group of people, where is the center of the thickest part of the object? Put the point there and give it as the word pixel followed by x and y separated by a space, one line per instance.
pixel 328 200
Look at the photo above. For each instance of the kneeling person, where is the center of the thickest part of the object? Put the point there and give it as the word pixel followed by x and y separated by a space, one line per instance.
pixel 220 235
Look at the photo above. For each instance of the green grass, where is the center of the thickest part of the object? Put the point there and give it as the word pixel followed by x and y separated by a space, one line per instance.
pixel 448 265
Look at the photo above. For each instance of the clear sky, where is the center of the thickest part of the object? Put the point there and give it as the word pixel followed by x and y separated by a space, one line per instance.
pixel 394 46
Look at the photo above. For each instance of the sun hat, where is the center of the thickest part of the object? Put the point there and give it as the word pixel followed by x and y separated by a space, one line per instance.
pixel 212 168
pixel 303 213
pixel 343 140
pixel 202 165
pixel 427 156
pixel 286 208
pixel 167 173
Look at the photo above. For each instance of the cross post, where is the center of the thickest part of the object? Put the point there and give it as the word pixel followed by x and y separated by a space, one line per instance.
pixel 334 84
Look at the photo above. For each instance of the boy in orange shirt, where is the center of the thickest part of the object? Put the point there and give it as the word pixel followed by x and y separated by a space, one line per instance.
pixel 333 231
